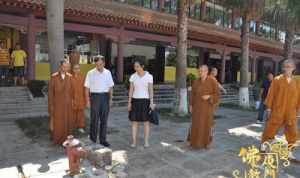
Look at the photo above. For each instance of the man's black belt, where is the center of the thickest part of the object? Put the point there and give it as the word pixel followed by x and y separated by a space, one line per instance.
pixel 102 93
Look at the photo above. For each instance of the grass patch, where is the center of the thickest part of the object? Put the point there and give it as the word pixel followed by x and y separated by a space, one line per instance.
pixel 237 106
pixel 38 128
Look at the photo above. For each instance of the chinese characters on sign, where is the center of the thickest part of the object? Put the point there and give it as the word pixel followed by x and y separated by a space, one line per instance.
pixel 263 164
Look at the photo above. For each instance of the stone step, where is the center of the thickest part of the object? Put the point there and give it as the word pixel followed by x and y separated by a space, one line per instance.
pixel 15 116
pixel 24 111
pixel 17 107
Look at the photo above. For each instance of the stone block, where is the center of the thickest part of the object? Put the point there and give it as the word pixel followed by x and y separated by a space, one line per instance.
pixel 119 168
pixel 100 157
pixel 83 175
pixel 121 175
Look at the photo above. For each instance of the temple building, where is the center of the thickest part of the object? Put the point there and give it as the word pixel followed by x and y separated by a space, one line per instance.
pixel 124 30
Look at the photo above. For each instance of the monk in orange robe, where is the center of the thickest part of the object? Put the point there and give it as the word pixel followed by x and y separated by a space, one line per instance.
pixel 79 98
pixel 283 103
pixel 204 97
pixel 60 104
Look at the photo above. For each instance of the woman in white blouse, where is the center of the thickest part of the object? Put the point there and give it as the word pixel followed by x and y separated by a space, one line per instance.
pixel 140 101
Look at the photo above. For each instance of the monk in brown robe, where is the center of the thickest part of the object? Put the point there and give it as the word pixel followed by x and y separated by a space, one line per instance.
pixel 214 74
pixel 78 103
pixel 283 103
pixel 74 58
pixel 204 97
pixel 60 104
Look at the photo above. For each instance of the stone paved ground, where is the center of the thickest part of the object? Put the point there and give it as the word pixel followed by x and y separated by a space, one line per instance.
pixel 168 156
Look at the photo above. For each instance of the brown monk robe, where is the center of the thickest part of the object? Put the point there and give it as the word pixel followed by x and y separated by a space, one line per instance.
pixel 204 97
pixel 79 98
pixel 283 103
pixel 74 58
pixel 60 104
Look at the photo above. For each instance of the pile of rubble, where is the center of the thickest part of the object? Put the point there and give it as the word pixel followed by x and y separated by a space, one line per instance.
pixel 99 164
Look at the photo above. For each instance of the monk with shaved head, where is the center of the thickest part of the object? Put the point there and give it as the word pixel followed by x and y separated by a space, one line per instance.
pixel 283 103
pixel 204 97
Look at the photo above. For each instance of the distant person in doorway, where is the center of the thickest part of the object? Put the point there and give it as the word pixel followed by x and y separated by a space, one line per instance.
pixel 264 88
pixel 79 99
pixel 282 106
pixel 74 58
pixel 18 57
pixel 204 97
pixel 4 62
pixel 99 91
pixel 60 104
pixel 140 101
pixel 214 74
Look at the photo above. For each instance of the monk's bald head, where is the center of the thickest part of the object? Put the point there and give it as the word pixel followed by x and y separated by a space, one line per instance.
pixel 288 66
pixel 214 71
pixel 63 65
pixel 203 71
pixel 76 69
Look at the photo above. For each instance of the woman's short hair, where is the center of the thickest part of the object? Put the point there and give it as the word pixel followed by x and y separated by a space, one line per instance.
pixel 63 61
pixel 98 57
pixel 140 62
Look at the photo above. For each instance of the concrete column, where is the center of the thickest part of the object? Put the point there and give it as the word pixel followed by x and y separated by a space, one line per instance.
pixel 31 38
pixel 120 60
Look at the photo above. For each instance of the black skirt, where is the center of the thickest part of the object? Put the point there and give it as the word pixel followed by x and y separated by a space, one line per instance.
pixel 139 110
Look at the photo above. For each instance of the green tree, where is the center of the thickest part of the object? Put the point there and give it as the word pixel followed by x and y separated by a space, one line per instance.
pixel 248 10
pixel 285 13
pixel 55 25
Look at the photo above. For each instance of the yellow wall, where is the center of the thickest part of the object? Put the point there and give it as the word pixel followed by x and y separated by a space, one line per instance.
pixel 170 73
pixel 239 76
pixel 42 70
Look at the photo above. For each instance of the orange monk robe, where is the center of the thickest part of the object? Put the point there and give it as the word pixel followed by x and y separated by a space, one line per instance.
pixel 203 111
pixel 284 101
pixel 60 107
pixel 78 104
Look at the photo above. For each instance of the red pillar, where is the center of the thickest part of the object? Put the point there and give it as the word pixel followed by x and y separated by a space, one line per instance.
pixel 223 66
pixel 233 19
pixel 161 5
pixel 257 27
pixel 202 9
pixel 120 60
pixel 31 37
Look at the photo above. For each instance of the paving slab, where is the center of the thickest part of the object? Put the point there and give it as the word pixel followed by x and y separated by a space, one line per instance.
pixel 169 156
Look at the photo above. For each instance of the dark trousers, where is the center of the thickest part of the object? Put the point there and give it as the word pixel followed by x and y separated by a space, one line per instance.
pixel 261 111
pixel 99 115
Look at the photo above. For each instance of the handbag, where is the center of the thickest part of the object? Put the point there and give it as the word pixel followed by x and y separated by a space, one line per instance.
pixel 153 117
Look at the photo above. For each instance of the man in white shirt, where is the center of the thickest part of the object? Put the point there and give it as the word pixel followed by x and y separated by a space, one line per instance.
pixel 99 88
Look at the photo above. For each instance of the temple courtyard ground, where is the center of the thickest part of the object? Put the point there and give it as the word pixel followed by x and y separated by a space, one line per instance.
pixel 27 143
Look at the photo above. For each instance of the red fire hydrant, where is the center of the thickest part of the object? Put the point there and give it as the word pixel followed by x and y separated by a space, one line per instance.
pixel 74 152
